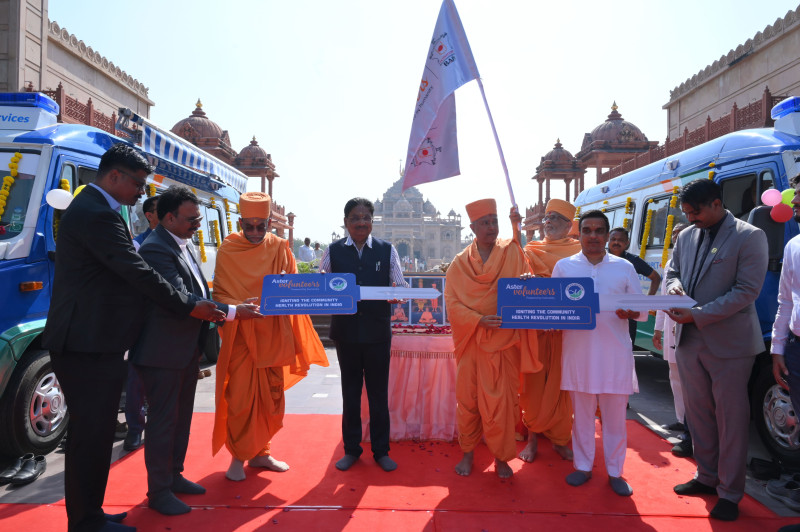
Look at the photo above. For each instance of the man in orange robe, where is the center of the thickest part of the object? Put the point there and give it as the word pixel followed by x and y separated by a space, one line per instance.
pixel 546 409
pixel 259 359
pixel 489 359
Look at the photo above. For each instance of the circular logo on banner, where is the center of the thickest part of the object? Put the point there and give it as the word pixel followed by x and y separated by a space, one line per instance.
pixel 338 284
pixel 574 291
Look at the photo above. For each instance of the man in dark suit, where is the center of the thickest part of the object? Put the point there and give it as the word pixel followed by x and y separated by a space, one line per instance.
pixel 166 357
pixel 721 263
pixel 363 340
pixel 96 313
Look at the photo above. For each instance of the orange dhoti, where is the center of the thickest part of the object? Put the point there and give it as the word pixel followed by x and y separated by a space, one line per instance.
pixel 486 391
pixel 546 408
pixel 489 360
pixel 259 358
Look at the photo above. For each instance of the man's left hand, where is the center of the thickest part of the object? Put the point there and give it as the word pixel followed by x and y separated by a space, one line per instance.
pixel 681 315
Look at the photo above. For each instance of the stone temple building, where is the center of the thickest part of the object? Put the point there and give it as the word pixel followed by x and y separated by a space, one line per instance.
pixel 423 237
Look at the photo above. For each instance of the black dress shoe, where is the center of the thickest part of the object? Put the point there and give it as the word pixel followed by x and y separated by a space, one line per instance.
pixel 676 427
pixel 116 518
pixel 30 471
pixel 111 526
pixel 121 431
pixel 13 469
pixel 683 449
pixel 132 441
pixel 694 487
pixel 725 510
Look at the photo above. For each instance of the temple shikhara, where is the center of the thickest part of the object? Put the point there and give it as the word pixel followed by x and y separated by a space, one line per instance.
pixel 422 236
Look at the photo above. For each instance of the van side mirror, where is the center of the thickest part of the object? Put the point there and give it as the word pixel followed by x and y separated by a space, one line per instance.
pixel 760 218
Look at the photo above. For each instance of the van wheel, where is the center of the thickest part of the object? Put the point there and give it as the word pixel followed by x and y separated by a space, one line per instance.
pixel 776 419
pixel 33 412
pixel 213 345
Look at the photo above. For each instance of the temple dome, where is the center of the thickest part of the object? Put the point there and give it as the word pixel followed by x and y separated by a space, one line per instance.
pixel 403 205
pixel 558 155
pixel 428 208
pixel 253 151
pixel 615 130
pixel 197 125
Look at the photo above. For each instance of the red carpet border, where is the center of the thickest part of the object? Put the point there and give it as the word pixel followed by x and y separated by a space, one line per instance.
pixel 423 494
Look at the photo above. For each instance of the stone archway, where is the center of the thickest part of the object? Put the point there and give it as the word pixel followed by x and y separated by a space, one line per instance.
pixel 403 249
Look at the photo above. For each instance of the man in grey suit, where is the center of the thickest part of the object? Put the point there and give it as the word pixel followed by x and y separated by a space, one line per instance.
pixel 721 263
pixel 167 354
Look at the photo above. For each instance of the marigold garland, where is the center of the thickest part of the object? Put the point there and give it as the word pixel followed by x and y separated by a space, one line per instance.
pixel 8 181
pixel 667 240
pixel 628 205
pixel 151 190
pixel 202 244
pixel 646 233
pixel 217 237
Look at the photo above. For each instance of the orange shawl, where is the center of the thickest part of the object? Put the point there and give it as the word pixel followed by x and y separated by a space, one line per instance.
pixel 543 254
pixel 471 293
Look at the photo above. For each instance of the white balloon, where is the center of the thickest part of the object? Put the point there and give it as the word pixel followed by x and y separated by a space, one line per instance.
pixel 58 198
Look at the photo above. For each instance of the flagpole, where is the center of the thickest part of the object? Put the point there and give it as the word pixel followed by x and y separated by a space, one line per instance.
pixel 497 141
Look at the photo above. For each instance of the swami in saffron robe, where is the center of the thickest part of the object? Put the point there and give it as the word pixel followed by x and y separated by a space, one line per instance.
pixel 488 360
pixel 259 358
pixel 546 408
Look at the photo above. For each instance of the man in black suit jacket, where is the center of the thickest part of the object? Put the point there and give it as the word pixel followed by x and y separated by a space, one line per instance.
pixel 96 313
pixel 167 354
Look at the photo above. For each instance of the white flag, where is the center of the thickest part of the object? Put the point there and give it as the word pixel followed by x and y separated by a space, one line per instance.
pixel 433 144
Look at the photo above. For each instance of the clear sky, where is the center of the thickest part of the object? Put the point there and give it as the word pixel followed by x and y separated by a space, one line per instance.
pixel 328 87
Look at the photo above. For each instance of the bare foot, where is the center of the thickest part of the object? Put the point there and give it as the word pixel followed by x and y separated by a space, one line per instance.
pixel 268 462
pixel 464 467
pixel 235 471
pixel 502 468
pixel 529 452
pixel 563 451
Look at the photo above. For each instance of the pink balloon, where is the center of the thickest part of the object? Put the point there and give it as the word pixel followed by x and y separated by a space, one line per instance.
pixel 781 213
pixel 771 197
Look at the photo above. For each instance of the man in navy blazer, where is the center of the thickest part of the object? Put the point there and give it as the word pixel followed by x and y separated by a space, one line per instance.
pixel 167 354
pixel 100 286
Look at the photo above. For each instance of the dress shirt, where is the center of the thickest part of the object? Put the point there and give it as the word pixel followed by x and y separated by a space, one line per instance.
pixel 306 254
pixel 188 256
pixel 114 204
pixel 788 318
pixel 395 268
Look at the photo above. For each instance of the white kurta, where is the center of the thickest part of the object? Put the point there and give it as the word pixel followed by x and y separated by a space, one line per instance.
pixel 600 360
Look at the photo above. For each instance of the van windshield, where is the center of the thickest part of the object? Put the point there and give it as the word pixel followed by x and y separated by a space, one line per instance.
pixel 17 171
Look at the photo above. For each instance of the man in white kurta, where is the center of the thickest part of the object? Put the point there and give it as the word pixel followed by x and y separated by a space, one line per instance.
pixel 597 364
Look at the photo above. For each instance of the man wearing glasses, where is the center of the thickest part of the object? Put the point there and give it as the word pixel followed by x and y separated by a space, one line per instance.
pixel 546 409
pixel 149 209
pixel 363 340
pixel 97 311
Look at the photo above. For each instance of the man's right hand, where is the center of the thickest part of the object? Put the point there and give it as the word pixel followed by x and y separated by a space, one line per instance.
pixel 676 291
pixel 207 311
pixel 779 371
pixel 248 310
pixel 657 340
pixel 491 322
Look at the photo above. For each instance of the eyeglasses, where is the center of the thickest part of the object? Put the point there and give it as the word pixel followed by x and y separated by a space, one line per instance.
pixel 195 220
pixel 554 218
pixel 356 219
pixel 141 185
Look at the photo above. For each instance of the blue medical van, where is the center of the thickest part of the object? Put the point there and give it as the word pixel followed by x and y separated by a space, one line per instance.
pixel 38 155
pixel 745 163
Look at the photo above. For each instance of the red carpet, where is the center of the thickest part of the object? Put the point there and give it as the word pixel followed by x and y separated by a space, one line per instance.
pixel 423 494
